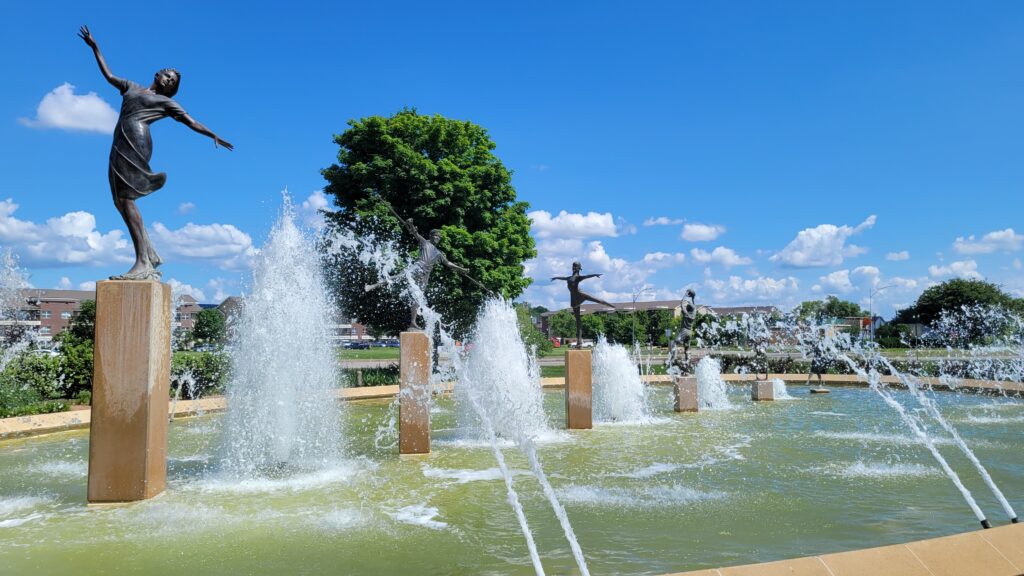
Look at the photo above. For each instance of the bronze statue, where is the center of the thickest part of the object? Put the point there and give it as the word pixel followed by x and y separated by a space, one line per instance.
pixel 129 173
pixel 760 333
pixel 430 255
pixel 577 297
pixel 687 320
pixel 819 355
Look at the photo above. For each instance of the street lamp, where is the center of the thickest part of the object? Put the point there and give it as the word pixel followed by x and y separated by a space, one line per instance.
pixel 637 293
pixel 871 312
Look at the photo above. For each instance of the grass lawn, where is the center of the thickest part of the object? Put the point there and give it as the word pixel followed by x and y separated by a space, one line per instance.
pixel 369 354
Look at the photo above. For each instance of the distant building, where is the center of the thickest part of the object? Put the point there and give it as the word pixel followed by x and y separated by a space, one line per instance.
pixel 49 312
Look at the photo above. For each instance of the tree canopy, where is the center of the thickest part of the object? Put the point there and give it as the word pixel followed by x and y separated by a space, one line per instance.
pixel 829 308
pixel 209 326
pixel 954 295
pixel 443 174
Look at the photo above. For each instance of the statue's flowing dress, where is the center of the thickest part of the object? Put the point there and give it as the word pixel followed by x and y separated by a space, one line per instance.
pixel 129 172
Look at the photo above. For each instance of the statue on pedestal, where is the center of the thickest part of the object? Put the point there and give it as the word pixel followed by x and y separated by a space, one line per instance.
pixel 430 255
pixel 688 317
pixel 578 297
pixel 129 172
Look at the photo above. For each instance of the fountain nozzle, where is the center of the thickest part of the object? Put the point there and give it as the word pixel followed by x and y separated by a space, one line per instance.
pixel 985 523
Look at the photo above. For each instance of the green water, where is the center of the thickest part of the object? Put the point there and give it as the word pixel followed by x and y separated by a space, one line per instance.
pixel 760 482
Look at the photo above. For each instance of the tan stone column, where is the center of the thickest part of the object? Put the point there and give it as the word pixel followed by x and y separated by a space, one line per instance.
pixel 414 394
pixel 578 390
pixel 762 390
pixel 131 372
pixel 685 391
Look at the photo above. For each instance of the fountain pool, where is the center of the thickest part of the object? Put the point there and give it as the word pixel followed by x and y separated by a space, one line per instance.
pixel 758 482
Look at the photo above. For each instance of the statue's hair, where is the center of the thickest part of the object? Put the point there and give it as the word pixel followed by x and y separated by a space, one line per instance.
pixel 176 84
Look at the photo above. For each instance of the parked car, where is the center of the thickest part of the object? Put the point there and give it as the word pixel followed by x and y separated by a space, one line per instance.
pixel 357 345
pixel 44 352
pixel 392 343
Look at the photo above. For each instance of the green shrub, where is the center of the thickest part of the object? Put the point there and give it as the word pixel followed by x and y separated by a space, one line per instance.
pixel 40 373
pixel 209 371
pixel 75 363
pixel 382 376
pixel 45 407
pixel 84 398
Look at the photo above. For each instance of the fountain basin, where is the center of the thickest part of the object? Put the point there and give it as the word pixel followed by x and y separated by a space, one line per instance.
pixel 750 484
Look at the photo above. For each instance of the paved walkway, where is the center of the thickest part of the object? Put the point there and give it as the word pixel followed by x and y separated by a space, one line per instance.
pixel 995 552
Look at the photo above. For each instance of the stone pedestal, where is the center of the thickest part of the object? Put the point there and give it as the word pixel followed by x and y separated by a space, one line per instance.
pixel 579 389
pixel 762 390
pixel 131 373
pixel 414 394
pixel 685 390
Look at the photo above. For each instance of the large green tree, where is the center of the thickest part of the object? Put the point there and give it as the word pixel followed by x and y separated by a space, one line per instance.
pixel 828 309
pixel 443 174
pixel 953 296
pixel 209 326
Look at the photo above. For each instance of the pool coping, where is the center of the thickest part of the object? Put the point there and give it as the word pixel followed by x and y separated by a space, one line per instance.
pixel 37 424
pixel 995 552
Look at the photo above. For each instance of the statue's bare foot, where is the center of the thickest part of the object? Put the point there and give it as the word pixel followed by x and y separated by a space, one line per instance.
pixel 154 259
pixel 139 272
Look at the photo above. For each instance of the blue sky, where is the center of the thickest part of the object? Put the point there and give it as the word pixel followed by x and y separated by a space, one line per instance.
pixel 758 152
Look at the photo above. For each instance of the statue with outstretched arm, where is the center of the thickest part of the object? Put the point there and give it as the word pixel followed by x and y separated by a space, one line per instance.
pixel 578 297
pixel 687 320
pixel 430 255
pixel 128 172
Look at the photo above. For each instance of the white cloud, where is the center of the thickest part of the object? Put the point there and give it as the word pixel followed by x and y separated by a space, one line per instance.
pixel 71 239
pixel 737 290
pixel 186 208
pixel 823 245
pixel 960 269
pixel 221 244
pixel 311 207
pixel 181 289
pixel 63 109
pixel 663 221
pixel 838 281
pixel 898 256
pixel 701 232
pixel 572 225
pixel 1000 240
pixel 220 289
pixel 664 259
pixel 724 257
pixel 1017 264
pixel 64 283
pixel 87 285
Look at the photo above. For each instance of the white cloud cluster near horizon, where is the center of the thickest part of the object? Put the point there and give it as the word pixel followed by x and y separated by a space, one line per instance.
pixel 223 245
pixel 68 240
pixel 573 225
pixel 900 256
pixel 216 290
pixel 822 246
pixel 73 239
pixel 62 109
pixel 721 256
pixel 997 241
pixel 967 269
